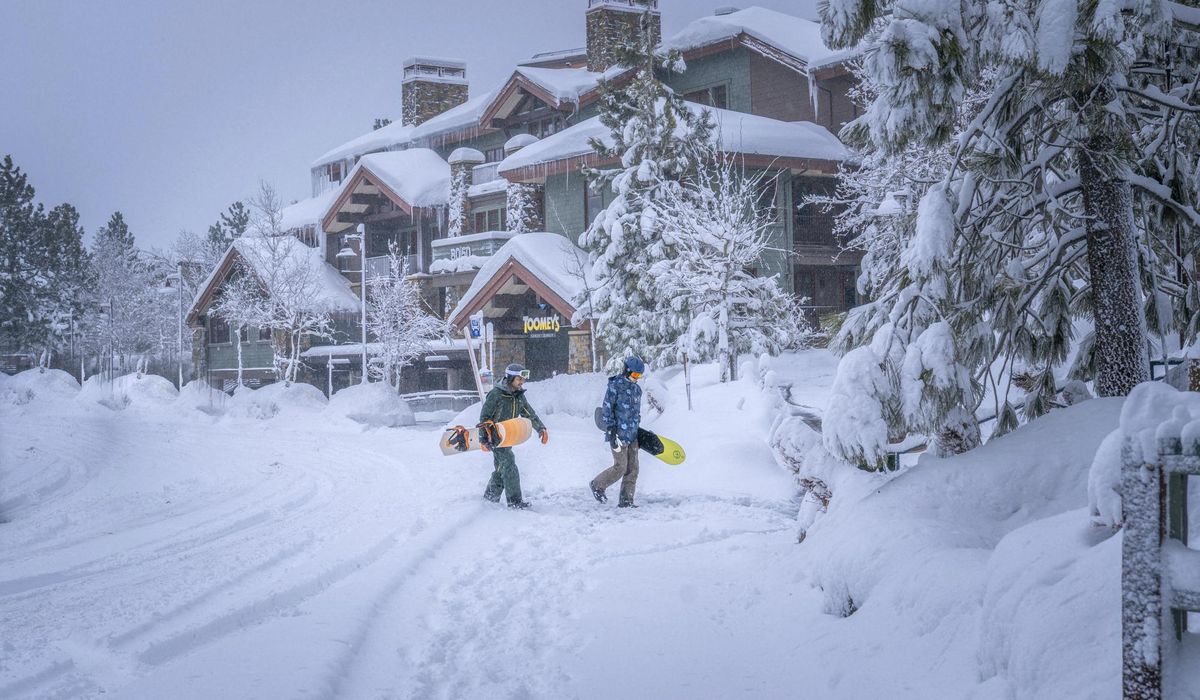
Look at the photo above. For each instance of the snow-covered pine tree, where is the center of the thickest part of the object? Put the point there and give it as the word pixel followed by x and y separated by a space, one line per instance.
pixel 399 322
pixel 126 299
pixel 44 269
pixel 658 142
pixel 457 206
pixel 1053 143
pixel 719 233
pixel 1036 176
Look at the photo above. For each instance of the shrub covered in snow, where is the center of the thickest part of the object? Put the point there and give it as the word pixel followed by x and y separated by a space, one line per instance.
pixel 375 404
pixel 33 384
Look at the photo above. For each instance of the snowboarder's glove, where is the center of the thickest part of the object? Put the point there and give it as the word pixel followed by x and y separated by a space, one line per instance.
pixel 545 436
pixel 612 441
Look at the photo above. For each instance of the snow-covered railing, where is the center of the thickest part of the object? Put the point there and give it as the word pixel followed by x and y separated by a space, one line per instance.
pixel 1159 574
pixel 444 400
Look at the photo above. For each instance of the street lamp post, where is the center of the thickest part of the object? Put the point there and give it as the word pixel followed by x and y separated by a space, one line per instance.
pixel 347 252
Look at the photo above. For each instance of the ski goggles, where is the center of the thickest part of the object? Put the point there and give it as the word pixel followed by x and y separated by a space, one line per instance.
pixel 635 375
pixel 523 374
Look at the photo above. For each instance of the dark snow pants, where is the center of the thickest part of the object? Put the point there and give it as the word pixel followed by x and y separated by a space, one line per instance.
pixel 624 468
pixel 505 477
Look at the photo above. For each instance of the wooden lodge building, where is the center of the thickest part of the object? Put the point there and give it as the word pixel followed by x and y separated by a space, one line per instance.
pixel 778 94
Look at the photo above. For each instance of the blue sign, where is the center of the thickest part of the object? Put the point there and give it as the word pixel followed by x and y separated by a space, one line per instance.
pixel 476 327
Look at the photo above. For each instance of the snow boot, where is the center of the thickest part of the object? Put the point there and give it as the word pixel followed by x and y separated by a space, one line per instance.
pixel 626 504
pixel 598 494
pixel 520 505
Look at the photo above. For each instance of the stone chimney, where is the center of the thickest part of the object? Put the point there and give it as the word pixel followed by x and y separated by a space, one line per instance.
pixel 431 86
pixel 462 174
pixel 614 23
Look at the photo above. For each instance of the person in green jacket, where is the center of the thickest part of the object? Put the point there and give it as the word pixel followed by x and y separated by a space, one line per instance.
pixel 505 402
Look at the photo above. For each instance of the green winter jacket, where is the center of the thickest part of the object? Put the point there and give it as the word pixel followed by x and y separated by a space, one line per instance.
pixel 505 403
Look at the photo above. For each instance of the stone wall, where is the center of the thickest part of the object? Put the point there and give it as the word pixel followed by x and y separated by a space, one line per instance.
pixel 581 352
pixel 423 100
pixel 608 28
pixel 508 351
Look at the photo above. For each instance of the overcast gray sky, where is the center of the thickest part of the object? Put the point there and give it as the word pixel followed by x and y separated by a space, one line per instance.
pixel 168 110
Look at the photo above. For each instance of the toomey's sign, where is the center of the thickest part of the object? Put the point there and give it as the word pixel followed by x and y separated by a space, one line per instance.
pixel 542 324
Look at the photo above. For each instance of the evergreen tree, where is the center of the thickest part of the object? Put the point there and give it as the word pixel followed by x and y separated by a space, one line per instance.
pixel 1050 162
pixel 720 233
pixel 232 223
pixel 658 142
pixel 1031 134
pixel 44 269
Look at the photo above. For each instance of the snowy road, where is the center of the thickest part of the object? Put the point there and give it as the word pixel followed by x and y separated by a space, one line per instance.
pixel 149 555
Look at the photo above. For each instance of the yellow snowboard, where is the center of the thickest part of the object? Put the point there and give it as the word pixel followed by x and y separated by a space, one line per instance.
pixel 461 439
pixel 672 453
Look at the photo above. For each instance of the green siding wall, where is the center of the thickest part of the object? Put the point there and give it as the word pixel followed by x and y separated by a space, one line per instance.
pixel 254 354
pixel 564 204
pixel 728 68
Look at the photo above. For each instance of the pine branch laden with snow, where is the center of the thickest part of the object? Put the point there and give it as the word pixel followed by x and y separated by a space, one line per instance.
pixel 658 143
pixel 1068 84
pixel 1067 170
pixel 401 327
pixel 718 234
pixel 524 207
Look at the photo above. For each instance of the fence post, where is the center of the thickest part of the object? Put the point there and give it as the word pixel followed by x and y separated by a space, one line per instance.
pixel 1141 576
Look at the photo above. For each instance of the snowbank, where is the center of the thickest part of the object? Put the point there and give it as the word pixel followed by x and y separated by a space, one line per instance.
pixel 140 390
pixel 274 400
pixel 568 394
pixel 35 384
pixel 375 404
pixel 998 535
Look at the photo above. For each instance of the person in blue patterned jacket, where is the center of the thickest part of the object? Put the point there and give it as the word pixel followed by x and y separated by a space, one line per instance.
pixel 622 412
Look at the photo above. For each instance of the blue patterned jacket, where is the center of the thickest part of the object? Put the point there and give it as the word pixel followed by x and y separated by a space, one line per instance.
pixel 623 408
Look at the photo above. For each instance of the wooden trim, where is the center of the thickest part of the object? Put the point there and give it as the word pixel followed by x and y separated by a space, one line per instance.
pixel 205 299
pixel 510 269
pixel 347 196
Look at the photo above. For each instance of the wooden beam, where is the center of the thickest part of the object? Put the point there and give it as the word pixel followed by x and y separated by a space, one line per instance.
pixel 370 200
pixel 510 301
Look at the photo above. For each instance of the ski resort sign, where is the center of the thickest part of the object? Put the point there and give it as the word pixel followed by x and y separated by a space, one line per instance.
pixel 541 326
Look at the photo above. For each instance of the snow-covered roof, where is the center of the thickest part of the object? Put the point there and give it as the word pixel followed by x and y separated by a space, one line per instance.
pixel 737 132
pixel 307 212
pixel 391 136
pixel 796 36
pixel 330 290
pixel 419 176
pixel 551 257
pixel 567 84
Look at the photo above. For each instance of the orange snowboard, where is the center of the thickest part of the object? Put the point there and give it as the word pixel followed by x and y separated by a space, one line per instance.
pixel 461 439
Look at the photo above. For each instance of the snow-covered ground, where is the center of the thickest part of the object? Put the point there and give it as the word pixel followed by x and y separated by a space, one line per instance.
pixel 154 550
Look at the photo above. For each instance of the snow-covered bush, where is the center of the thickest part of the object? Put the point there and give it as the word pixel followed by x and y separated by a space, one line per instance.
pixel 375 404
pixel 36 384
